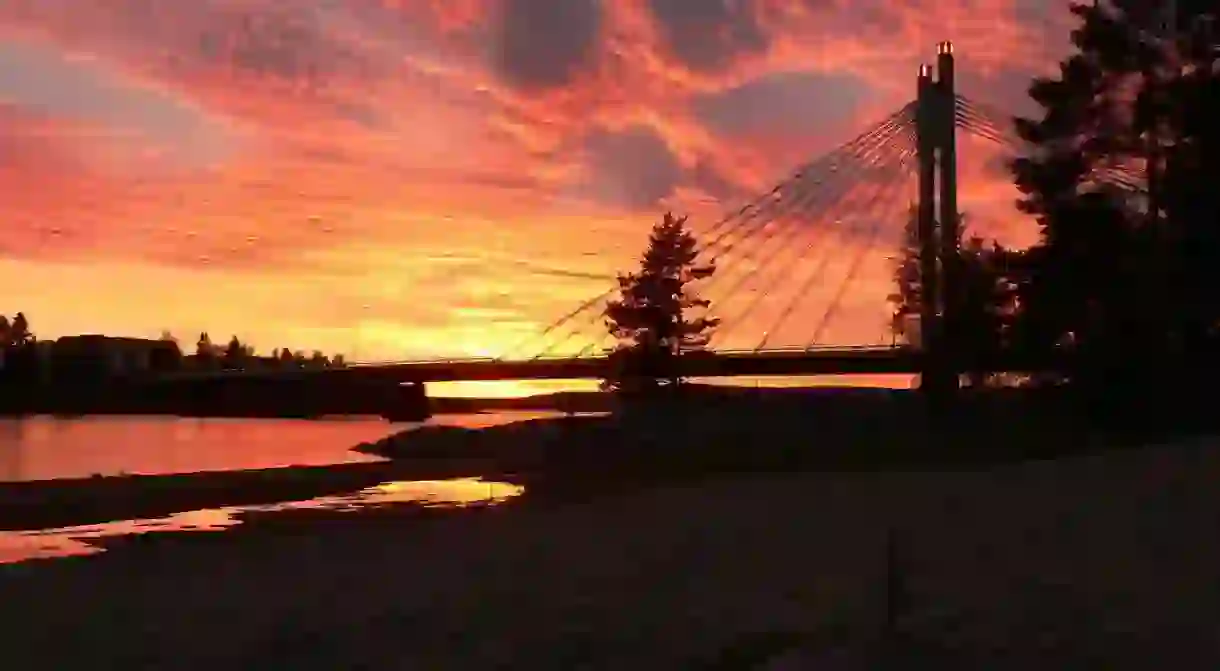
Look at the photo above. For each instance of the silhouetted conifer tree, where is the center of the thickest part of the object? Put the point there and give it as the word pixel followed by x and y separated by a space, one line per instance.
pixel 650 319
pixel 235 354
pixel 22 364
pixel 1124 290
pixel 205 350
pixel 908 288
pixel 19 331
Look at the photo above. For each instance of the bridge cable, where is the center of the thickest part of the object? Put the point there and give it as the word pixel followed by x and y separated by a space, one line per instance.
pixel 892 174
pixel 797 204
pixel 895 173
pixel 805 204
pixel 1115 175
pixel 765 205
pixel 834 204
pixel 831 165
pixel 983 121
pixel 896 197
pixel 880 163
pixel 741 216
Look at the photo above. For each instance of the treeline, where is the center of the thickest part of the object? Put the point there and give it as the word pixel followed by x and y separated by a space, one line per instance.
pixel 26 361
pixel 237 355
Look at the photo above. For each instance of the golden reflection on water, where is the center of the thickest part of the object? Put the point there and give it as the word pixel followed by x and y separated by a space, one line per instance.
pixel 75 541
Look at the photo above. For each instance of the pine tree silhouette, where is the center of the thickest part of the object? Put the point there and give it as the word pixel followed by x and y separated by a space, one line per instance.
pixel 650 318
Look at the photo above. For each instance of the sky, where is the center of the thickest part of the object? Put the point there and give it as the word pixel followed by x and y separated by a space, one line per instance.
pixel 401 179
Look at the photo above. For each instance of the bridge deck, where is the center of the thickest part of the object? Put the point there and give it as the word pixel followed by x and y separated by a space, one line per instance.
pixel 837 361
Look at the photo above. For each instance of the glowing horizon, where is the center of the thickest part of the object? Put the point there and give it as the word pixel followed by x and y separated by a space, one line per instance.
pixel 396 179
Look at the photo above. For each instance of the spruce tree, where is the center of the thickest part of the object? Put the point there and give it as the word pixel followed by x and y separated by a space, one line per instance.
pixel 206 355
pixel 651 319
pixel 905 300
pixel 1126 286
pixel 19 331
pixel 234 354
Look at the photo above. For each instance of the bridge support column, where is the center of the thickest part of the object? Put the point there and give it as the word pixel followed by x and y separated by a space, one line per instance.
pixel 936 128
pixel 929 248
pixel 950 235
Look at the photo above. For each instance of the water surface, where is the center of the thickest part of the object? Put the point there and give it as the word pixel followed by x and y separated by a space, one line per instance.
pixel 22 546
pixel 45 448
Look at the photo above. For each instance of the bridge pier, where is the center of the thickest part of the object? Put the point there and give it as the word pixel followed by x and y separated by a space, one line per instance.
pixel 406 403
pixel 936 131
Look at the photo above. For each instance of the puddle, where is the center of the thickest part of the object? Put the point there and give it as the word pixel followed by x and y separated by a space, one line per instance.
pixel 21 546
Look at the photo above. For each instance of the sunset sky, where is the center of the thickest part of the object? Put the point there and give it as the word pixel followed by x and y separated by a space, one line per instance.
pixel 415 178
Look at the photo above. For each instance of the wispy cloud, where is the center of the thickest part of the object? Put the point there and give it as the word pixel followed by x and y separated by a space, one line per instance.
pixel 331 147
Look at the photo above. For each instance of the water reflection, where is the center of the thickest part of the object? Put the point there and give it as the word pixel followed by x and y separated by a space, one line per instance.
pixel 47 448
pixel 74 541
pixel 44 447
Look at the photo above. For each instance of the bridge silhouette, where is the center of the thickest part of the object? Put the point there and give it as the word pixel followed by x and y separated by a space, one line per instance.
pixel 860 193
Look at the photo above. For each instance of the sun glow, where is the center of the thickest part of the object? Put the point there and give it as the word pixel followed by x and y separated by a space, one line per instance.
pixel 345 191
pixel 507 388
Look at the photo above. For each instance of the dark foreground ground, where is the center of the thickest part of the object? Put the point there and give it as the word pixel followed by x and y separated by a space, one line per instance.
pixel 1093 562
pixel 1106 560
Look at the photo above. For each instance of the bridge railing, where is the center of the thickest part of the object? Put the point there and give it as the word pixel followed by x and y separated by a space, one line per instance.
pixel 493 361
pixel 595 357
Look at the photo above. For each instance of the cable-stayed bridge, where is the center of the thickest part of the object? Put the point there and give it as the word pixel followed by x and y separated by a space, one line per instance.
pixel 858 198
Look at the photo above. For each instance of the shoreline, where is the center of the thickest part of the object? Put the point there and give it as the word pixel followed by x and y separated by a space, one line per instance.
pixel 579 457
pixel 53 504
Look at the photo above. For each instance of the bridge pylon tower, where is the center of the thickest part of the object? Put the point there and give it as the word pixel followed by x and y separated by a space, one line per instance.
pixel 936 139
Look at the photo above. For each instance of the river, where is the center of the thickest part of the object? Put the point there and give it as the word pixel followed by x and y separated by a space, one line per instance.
pixel 43 448
pixel 47 448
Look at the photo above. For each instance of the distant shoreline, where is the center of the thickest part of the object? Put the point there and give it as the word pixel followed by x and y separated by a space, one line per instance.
pixel 561 402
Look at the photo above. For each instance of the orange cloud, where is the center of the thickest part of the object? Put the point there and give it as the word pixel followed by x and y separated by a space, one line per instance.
pixel 403 178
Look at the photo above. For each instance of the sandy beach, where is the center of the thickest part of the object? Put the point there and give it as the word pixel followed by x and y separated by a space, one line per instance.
pixel 1105 561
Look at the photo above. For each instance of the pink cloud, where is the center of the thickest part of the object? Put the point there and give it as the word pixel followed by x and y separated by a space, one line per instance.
pixel 250 136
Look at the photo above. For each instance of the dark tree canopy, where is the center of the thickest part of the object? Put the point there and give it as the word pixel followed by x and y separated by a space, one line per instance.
pixel 652 319
pixel 986 300
pixel 19 333
pixel 1125 281
pixel 906 299
pixel 985 296
pixel 204 349
pixel 235 353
